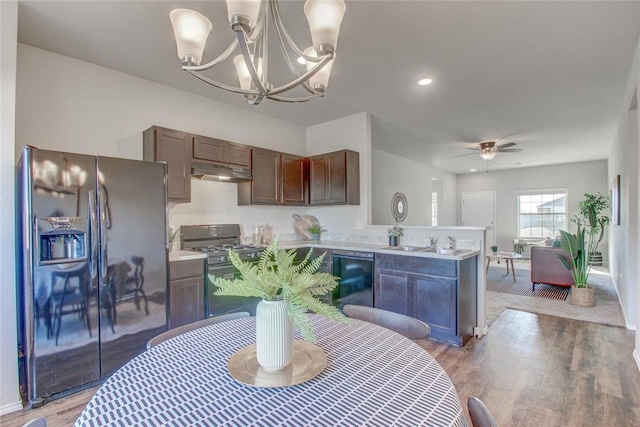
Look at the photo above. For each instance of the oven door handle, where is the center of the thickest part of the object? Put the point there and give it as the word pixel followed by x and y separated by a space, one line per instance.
pixel 228 271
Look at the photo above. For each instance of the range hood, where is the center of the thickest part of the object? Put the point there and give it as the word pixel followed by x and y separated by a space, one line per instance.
pixel 219 172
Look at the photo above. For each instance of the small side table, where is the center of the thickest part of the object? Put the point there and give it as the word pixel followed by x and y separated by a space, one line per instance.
pixel 508 257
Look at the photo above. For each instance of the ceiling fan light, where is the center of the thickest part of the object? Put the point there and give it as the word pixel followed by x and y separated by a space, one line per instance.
pixel 324 17
pixel 191 30
pixel 320 80
pixel 488 155
pixel 243 12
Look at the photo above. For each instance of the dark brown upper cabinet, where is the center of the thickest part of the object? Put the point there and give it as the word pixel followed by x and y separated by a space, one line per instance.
pixel 278 179
pixel 172 147
pixel 294 180
pixel 219 151
pixel 264 188
pixel 334 178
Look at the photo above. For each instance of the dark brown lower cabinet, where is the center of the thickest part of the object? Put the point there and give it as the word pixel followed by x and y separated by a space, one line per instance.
pixel 391 291
pixel 440 292
pixel 435 303
pixel 186 292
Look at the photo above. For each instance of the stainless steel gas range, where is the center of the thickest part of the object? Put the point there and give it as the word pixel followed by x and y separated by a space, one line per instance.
pixel 216 240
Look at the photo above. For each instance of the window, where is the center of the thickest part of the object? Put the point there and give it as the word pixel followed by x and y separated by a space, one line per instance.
pixel 542 213
pixel 434 208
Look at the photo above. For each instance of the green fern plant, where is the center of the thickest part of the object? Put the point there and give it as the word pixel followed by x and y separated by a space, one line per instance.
pixel 277 277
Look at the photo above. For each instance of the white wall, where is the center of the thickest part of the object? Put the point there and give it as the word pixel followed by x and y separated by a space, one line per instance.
pixel 624 238
pixel 9 396
pixel 353 133
pixel 623 245
pixel 577 178
pixel 65 104
pixel 392 173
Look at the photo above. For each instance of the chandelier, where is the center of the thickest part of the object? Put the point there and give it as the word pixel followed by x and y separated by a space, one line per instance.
pixel 248 19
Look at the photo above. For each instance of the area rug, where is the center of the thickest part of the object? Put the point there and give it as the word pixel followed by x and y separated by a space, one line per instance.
pixel 607 310
pixel 499 281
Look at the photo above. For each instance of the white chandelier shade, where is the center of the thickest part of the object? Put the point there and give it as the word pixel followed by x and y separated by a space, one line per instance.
pixel 248 19
pixel 324 18
pixel 191 30
pixel 244 76
pixel 321 78
pixel 247 9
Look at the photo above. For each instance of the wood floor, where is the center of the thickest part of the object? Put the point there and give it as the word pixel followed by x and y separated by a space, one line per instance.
pixel 530 370
pixel 539 370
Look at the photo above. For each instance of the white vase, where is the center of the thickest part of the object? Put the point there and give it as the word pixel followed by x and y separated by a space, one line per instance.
pixel 274 335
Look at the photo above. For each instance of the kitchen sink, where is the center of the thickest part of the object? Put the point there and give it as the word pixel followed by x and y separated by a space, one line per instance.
pixel 406 248
pixel 441 251
pixel 444 251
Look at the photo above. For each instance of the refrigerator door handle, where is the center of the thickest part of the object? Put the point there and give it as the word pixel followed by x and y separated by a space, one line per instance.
pixel 104 276
pixel 94 234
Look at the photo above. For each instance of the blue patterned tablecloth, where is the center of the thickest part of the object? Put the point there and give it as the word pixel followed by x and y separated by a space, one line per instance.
pixel 373 377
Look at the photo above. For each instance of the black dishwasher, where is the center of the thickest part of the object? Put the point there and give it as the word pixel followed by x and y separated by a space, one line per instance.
pixel 355 270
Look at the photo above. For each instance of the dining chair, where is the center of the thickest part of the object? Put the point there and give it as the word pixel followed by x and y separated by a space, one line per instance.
pixel 195 325
pixel 408 326
pixel 480 414
pixel 36 422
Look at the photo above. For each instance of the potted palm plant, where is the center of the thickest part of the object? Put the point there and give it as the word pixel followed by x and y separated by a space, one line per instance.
pixel 581 246
pixel 288 291
pixel 394 234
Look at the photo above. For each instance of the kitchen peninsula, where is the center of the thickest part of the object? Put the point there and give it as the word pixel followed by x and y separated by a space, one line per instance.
pixel 439 289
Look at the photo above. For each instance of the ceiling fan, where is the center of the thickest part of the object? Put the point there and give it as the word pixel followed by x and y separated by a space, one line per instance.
pixel 488 150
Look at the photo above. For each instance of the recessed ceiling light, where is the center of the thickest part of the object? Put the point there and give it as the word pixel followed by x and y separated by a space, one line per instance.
pixel 301 60
pixel 472 170
pixel 424 82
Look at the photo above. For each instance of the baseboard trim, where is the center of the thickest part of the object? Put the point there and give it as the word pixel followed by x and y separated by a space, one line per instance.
pixel 636 357
pixel 480 332
pixel 11 407
pixel 629 326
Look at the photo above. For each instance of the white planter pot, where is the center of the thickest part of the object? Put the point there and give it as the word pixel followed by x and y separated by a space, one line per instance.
pixel 274 335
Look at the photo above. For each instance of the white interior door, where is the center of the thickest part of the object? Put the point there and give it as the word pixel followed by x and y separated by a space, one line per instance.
pixel 479 210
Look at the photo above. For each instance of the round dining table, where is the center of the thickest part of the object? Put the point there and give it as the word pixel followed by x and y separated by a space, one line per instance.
pixel 373 377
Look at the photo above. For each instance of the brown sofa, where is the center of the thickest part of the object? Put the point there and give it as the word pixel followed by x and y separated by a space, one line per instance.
pixel 547 268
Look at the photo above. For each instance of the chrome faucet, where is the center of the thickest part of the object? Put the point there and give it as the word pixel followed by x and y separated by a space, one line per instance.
pixel 451 242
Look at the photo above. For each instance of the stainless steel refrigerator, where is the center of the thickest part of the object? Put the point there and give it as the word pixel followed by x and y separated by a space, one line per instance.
pixel 92 274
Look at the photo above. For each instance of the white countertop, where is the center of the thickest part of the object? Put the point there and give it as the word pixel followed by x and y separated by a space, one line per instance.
pixel 371 247
pixel 182 255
